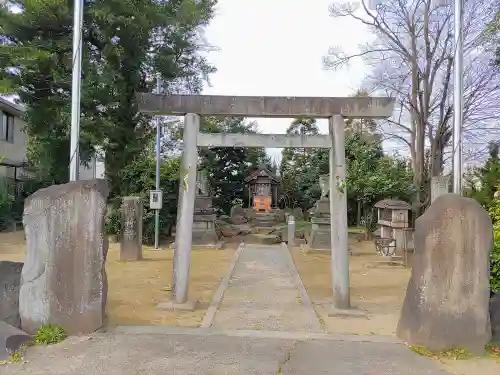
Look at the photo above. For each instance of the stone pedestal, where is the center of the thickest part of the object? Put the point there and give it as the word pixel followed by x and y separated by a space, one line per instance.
pixel 204 222
pixel 320 238
pixel 64 280
pixel 131 236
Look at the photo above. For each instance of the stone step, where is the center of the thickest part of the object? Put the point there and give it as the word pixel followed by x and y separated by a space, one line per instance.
pixel 262 239
pixel 261 223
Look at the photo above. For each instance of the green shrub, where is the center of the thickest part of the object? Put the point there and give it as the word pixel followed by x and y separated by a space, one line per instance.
pixel 113 223
pixel 495 252
pixel 6 200
pixel 49 334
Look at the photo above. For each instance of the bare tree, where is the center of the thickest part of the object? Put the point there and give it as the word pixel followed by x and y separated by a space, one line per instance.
pixel 411 59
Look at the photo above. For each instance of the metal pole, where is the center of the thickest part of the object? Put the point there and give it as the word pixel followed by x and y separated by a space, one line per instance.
pixel 458 99
pixel 158 164
pixel 74 163
pixel 291 231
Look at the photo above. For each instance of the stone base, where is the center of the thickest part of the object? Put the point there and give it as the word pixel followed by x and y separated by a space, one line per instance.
pixel 205 238
pixel 204 233
pixel 320 238
pixel 347 313
pixel 218 246
pixel 172 305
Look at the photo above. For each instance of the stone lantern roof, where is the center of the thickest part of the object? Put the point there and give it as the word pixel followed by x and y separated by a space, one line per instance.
pixel 393 204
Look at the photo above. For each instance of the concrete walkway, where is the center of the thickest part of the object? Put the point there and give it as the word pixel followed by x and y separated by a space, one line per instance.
pixel 203 353
pixel 266 293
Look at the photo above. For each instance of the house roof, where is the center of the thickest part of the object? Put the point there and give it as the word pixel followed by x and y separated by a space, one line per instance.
pixel 261 172
pixel 11 107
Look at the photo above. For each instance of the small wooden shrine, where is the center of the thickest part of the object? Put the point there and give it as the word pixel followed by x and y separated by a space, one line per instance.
pixel 262 187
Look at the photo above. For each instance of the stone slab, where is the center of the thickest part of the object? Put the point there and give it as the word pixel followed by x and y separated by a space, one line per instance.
pixel 346 358
pixel 261 334
pixel 220 354
pixel 11 340
pixel 347 313
pixel 171 305
pixel 263 294
pixel 266 106
pixel 219 293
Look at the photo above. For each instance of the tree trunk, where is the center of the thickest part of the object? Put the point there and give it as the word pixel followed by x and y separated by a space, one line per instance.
pixel 358 214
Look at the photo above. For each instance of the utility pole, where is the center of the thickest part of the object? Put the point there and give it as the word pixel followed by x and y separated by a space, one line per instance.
pixel 458 99
pixel 74 163
pixel 158 165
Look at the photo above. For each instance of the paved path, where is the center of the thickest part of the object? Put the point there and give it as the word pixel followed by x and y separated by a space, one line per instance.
pixel 265 293
pixel 203 353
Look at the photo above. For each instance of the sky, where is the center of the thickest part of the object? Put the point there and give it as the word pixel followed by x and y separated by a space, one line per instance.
pixel 276 48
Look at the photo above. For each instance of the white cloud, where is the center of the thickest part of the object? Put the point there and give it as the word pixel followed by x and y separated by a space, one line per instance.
pixel 275 47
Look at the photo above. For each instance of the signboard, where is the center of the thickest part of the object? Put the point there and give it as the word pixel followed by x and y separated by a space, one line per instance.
pixel 155 199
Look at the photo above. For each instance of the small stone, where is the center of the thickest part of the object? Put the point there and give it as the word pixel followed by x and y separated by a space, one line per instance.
pixel 230 231
pixel 11 339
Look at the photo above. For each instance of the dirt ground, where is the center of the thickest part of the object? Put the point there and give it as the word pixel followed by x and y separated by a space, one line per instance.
pixel 378 290
pixel 135 288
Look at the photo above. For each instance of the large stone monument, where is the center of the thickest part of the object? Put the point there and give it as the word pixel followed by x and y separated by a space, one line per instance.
pixel 204 215
pixel 447 299
pixel 64 279
pixel 320 237
pixel 131 236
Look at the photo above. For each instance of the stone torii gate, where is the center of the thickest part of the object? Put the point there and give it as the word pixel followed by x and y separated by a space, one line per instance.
pixel 334 109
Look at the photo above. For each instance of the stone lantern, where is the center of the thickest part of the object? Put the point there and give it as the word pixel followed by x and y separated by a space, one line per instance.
pixel 392 217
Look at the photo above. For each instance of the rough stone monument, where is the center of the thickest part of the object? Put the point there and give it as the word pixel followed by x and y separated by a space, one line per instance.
pixel 10 282
pixel 64 279
pixel 204 215
pixel 447 298
pixel 131 236
pixel 320 237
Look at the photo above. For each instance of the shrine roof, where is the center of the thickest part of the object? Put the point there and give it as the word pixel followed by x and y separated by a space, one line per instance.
pixel 262 172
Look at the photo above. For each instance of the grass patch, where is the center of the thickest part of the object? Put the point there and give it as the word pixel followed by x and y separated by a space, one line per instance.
pixel 451 353
pixel 49 334
pixel 493 351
